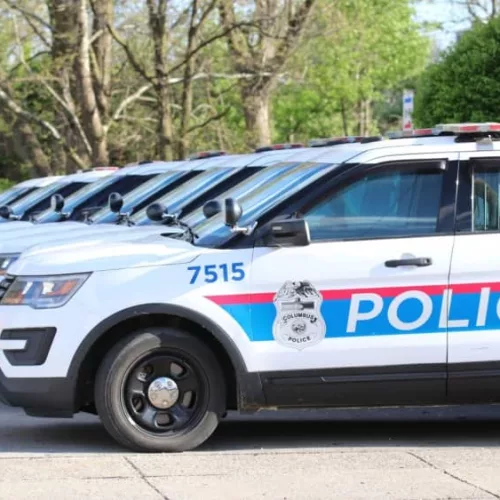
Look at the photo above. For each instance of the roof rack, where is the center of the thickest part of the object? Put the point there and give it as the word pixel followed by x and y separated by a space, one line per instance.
pixel 277 147
pixel 206 154
pixel 334 141
pixel 101 169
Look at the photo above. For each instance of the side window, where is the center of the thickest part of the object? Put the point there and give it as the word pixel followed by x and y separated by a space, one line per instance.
pixel 486 190
pixel 391 203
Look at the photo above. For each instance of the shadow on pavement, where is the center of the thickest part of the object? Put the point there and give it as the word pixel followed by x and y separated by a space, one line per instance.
pixel 465 427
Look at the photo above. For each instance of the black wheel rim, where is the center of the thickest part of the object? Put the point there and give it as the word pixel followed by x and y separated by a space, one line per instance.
pixel 181 416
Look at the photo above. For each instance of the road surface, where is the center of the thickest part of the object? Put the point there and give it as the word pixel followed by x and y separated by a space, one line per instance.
pixel 377 454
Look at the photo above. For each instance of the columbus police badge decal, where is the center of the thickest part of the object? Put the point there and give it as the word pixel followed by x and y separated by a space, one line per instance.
pixel 298 323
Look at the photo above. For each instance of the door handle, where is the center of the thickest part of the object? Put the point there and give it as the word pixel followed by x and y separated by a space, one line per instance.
pixel 419 261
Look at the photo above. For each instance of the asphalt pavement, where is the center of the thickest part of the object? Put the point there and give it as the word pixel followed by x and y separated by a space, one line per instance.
pixel 389 454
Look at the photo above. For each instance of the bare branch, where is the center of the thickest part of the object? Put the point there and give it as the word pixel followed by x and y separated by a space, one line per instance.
pixel 28 14
pixel 210 119
pixel 129 100
pixel 15 109
pixel 205 43
pixel 130 55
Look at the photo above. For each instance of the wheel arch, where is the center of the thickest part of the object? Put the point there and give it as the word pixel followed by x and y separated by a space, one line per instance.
pixel 244 388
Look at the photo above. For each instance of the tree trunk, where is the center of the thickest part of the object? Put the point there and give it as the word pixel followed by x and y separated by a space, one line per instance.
pixel 256 108
pixel 29 149
pixel 103 15
pixel 164 138
pixel 90 111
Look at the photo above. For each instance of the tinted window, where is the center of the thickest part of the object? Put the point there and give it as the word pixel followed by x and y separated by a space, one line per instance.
pixel 486 190
pixel 44 203
pixel 15 194
pixel 259 198
pixel 381 204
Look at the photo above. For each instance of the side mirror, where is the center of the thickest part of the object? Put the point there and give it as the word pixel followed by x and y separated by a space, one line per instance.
pixel 57 203
pixel 288 233
pixel 233 212
pixel 211 208
pixel 115 202
pixel 5 212
pixel 156 212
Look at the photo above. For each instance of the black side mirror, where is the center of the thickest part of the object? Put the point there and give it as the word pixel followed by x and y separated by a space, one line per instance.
pixel 233 212
pixel 288 233
pixel 57 203
pixel 5 212
pixel 115 202
pixel 156 212
pixel 211 208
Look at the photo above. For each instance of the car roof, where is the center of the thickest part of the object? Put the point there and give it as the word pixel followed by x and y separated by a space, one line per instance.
pixel 406 146
pixel 39 181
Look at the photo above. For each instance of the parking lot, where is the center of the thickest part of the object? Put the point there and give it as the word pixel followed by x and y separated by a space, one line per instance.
pixel 390 454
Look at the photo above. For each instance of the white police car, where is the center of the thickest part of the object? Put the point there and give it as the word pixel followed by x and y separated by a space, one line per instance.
pixel 369 276
pixel 24 188
pixel 38 200
pixel 182 187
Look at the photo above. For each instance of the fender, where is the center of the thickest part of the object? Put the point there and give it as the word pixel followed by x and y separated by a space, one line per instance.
pixel 250 391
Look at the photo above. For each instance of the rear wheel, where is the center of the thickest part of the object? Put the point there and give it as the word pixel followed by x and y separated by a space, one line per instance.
pixel 160 390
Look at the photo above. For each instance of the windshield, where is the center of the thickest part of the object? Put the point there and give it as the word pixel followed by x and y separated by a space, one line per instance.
pixel 94 196
pixel 15 194
pixel 213 232
pixel 144 194
pixel 40 199
pixel 267 174
pixel 188 192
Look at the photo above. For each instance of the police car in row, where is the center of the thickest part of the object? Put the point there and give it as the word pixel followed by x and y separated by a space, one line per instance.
pixel 352 279
pixel 181 187
pixel 24 188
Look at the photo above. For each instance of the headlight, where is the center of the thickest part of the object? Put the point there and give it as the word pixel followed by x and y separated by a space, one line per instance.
pixel 43 292
pixel 7 260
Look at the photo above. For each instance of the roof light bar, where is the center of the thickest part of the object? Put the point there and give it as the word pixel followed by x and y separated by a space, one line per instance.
pixel 277 147
pixel 448 129
pixel 206 154
pixel 468 128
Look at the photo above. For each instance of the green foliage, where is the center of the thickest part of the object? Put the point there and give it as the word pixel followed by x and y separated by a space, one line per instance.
pixel 375 46
pixel 5 184
pixel 463 84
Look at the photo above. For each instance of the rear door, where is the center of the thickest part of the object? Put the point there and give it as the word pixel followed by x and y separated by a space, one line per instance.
pixel 474 325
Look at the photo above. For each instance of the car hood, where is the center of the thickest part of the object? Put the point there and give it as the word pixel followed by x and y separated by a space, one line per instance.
pixel 49 228
pixel 19 225
pixel 100 255
pixel 18 243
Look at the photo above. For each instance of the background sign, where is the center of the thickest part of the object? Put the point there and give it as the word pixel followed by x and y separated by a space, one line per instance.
pixel 408 110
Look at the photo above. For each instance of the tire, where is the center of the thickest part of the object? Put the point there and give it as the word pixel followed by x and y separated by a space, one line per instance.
pixel 124 379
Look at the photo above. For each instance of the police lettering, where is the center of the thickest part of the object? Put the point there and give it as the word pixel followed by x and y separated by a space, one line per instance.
pixel 299 340
pixel 287 317
pixel 364 307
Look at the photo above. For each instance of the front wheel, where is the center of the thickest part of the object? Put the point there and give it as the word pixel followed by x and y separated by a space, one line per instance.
pixel 160 390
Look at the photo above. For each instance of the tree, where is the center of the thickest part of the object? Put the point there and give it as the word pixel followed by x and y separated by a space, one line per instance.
pixel 463 85
pixel 356 57
pixel 261 46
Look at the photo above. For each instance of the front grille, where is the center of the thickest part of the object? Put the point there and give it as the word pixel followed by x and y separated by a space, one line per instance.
pixel 5 285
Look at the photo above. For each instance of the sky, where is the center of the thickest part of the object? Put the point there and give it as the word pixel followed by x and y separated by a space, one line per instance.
pixel 447 12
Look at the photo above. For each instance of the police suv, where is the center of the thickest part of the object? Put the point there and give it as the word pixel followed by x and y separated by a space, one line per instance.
pixel 181 188
pixel 348 280
pixel 24 188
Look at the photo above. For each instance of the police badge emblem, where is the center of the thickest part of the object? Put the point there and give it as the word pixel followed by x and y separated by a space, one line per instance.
pixel 298 323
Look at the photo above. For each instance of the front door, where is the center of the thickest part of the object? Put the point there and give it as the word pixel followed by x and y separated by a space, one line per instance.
pixel 359 315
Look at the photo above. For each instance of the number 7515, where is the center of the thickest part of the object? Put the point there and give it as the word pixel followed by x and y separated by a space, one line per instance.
pixel 212 273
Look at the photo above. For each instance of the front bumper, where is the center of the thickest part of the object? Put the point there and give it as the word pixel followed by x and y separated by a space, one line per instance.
pixel 39 397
